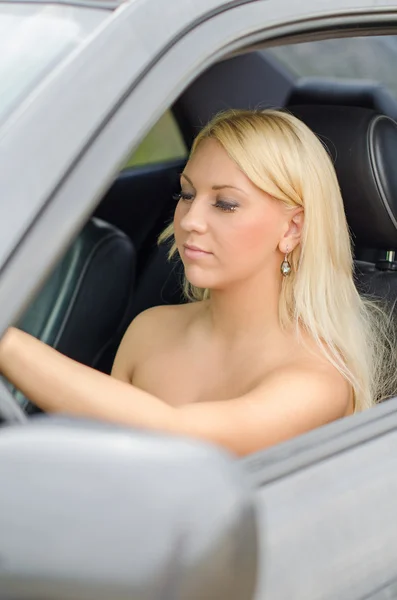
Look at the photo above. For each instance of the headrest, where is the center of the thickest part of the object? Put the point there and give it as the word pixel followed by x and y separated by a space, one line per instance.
pixel 363 147
pixel 342 92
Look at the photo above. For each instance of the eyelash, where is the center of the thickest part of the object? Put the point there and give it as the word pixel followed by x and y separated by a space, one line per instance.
pixel 221 204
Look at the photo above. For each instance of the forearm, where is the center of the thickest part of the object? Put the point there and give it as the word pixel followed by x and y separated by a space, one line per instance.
pixel 58 384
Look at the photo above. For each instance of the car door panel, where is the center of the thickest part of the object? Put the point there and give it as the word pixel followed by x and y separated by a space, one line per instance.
pixel 327 515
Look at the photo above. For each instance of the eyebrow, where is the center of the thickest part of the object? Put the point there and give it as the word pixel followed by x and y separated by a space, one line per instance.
pixel 215 187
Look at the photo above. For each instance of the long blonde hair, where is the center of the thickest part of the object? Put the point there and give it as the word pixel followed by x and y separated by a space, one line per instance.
pixel 284 158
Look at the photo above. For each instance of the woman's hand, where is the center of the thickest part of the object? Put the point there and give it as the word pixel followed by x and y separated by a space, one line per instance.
pixel 5 343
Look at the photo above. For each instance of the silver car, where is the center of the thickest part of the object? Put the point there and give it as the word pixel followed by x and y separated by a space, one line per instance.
pixel 99 102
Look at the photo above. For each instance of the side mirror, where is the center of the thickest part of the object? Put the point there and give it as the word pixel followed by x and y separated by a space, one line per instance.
pixel 97 512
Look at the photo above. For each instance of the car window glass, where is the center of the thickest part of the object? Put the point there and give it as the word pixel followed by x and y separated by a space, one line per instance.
pixel 163 142
pixel 34 39
pixel 372 58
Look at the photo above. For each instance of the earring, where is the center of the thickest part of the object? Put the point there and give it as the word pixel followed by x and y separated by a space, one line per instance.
pixel 285 265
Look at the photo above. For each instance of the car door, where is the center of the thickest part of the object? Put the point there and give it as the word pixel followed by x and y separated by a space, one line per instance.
pixel 323 500
pixel 326 510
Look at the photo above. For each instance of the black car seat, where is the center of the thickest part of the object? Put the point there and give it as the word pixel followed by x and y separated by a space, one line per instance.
pixel 343 92
pixel 363 146
pixel 160 283
pixel 331 91
pixel 139 202
pixel 84 306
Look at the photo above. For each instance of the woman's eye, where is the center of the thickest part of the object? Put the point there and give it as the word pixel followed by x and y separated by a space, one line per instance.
pixel 225 206
pixel 183 196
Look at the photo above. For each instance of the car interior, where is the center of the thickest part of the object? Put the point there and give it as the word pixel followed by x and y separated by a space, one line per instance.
pixel 115 269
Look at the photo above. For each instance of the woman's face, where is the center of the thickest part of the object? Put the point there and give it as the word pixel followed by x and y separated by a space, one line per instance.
pixel 226 229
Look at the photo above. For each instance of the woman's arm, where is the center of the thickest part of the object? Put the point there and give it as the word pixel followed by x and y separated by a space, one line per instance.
pixel 56 383
pixel 291 402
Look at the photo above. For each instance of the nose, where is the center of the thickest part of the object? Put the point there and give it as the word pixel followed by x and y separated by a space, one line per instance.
pixel 195 217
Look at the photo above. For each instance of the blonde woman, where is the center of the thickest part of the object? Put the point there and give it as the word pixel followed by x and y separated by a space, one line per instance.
pixel 275 341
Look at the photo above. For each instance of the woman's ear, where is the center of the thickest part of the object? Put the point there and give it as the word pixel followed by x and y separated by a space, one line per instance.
pixel 293 233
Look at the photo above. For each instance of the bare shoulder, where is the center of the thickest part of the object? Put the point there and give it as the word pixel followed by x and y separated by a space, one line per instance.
pixel 151 330
pixel 164 319
pixel 316 388
pixel 289 401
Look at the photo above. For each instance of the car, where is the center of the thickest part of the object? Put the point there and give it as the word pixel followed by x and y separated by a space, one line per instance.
pixel 100 102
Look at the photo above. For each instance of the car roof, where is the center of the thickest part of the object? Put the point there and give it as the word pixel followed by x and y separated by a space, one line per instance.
pixel 104 4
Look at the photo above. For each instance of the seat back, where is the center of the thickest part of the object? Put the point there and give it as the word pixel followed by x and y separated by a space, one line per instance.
pixel 363 144
pixel 84 306
pixel 139 202
pixel 160 283
pixel 331 91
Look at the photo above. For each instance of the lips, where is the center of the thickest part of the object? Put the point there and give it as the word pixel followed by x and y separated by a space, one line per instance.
pixel 194 252
pixel 195 248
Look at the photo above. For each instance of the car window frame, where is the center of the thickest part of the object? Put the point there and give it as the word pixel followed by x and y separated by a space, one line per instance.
pixel 89 68
pixel 64 201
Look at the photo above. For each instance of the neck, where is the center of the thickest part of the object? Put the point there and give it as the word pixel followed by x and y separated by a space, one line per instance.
pixel 245 311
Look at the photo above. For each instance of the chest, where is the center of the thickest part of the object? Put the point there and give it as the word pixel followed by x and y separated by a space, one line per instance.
pixel 182 376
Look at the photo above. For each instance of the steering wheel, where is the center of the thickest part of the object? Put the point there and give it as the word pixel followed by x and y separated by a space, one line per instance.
pixel 10 411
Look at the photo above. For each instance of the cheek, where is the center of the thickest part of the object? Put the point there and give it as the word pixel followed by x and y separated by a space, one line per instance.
pixel 256 236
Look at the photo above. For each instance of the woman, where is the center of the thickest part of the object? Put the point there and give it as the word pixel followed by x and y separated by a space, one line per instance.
pixel 277 340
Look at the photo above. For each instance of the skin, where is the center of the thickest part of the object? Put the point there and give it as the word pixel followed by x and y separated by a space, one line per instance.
pixel 221 370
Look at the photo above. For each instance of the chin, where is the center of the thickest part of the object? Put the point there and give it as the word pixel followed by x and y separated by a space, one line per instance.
pixel 201 278
pixel 198 277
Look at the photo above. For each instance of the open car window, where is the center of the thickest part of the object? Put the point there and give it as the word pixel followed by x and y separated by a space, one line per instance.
pixel 371 58
pixel 163 142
